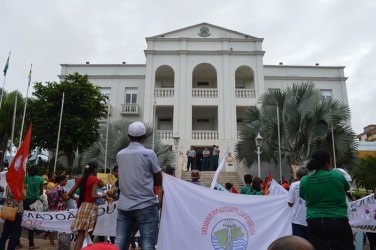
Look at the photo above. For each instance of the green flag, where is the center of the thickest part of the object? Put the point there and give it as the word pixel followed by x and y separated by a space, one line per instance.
pixel 6 66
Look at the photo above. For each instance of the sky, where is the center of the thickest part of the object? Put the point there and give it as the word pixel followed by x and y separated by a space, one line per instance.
pixel 48 33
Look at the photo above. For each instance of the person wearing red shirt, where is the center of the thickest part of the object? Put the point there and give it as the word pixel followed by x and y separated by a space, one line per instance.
pixel 87 213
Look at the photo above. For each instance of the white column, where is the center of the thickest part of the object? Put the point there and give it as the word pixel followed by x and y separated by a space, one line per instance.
pixel 149 90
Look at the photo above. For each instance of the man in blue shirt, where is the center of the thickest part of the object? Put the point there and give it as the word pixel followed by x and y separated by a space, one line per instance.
pixel 139 172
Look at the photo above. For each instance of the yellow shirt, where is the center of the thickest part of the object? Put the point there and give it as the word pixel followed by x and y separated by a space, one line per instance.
pixel 50 185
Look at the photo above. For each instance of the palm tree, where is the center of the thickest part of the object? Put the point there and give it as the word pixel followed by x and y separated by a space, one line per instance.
pixel 6 119
pixel 117 140
pixel 306 121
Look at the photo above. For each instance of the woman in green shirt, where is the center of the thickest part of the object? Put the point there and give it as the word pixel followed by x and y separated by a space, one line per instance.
pixel 34 191
pixel 324 191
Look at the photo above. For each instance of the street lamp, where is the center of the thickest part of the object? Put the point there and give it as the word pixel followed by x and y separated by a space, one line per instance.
pixel 258 141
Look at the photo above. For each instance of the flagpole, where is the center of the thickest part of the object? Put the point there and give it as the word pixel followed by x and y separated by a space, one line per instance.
pixel 5 77
pixel 334 149
pixel 24 113
pixel 279 144
pixel 2 91
pixel 14 122
pixel 106 147
pixel 58 133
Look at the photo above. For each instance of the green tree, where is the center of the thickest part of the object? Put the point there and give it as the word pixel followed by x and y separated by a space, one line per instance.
pixel 118 140
pixel 306 119
pixel 6 119
pixel 364 174
pixel 84 105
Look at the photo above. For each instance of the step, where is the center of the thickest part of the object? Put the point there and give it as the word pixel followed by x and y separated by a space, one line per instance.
pixel 206 178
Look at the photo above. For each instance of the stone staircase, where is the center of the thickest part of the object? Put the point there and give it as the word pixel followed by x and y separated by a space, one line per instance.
pixel 207 177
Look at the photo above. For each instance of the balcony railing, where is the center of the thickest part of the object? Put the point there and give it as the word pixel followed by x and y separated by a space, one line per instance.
pixel 205 93
pixel 164 134
pixel 204 135
pixel 245 93
pixel 130 109
pixel 164 92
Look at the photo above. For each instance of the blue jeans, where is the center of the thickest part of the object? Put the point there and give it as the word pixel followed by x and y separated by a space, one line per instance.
pixel 11 230
pixel 147 220
pixel 205 163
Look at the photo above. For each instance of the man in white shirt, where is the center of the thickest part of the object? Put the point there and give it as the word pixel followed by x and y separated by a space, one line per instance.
pixel 299 223
pixel 191 153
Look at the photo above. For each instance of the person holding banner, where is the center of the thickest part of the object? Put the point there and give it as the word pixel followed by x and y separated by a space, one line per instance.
pixel 298 220
pixel 87 214
pixel 325 194
pixel 35 190
pixel 12 229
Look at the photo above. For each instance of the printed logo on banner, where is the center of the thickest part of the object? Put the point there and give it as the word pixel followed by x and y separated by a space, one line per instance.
pixel 229 234
pixel 230 226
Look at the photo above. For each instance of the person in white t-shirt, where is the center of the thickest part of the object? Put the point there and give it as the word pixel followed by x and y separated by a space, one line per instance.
pixel 299 223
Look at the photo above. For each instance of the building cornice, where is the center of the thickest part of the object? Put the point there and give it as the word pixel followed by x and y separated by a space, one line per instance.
pixel 304 66
pixel 198 39
pixel 102 65
pixel 202 52
pixel 305 78
pixel 110 76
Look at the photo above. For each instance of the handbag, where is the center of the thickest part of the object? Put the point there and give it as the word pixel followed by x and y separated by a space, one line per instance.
pixel 8 213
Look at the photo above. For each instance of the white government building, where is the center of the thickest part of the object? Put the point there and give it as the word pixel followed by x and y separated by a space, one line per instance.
pixel 198 81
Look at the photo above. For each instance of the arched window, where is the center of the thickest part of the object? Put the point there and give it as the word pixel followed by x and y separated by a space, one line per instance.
pixel 244 82
pixel 164 81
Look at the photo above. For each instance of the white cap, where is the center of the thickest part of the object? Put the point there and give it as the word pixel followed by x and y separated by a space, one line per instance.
pixel 136 129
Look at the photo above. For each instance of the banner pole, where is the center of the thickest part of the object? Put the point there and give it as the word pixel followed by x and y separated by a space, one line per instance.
pixel 58 133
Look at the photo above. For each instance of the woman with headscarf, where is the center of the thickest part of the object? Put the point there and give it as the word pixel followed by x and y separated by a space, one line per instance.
pixel 324 191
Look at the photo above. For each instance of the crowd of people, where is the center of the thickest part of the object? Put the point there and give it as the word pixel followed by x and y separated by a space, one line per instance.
pixel 318 199
pixel 205 160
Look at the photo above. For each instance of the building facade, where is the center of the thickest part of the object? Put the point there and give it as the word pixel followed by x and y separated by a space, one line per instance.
pixel 198 81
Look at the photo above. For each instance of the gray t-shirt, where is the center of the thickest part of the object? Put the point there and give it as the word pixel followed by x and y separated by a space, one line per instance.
pixel 137 165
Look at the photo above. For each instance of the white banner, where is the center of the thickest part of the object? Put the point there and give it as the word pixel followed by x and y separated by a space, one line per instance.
pixel 276 189
pixel 60 221
pixel 195 217
pixel 219 169
pixel 362 214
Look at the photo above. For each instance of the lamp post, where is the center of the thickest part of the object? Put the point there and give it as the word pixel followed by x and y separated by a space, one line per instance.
pixel 258 141
pixel 176 145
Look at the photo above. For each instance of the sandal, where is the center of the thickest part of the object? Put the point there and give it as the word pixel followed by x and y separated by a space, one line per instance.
pixel 34 247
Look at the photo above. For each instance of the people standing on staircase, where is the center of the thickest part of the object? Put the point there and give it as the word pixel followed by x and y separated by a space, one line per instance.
pixel 191 154
pixel 205 159
pixel 215 157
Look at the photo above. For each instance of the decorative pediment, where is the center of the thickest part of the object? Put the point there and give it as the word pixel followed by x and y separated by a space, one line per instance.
pixel 204 30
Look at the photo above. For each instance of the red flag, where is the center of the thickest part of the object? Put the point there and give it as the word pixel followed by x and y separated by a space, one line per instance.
pixel 17 170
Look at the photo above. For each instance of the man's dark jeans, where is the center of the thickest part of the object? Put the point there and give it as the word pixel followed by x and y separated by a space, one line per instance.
pixel 299 230
pixel 11 230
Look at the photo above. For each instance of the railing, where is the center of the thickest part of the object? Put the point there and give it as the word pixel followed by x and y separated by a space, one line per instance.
pixel 204 135
pixel 245 93
pixel 130 109
pixel 164 134
pixel 164 92
pixel 206 93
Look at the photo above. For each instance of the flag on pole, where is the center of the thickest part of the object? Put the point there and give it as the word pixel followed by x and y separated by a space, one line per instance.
pixel 30 74
pixel 17 170
pixel 6 66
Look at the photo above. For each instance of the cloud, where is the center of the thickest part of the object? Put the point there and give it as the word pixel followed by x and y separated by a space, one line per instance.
pixel 330 32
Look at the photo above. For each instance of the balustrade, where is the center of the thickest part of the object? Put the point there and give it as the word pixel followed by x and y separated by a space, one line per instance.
pixel 206 93
pixel 204 135
pixel 163 92
pixel 245 93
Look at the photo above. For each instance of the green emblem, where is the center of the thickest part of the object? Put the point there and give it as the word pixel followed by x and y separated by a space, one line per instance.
pixel 204 31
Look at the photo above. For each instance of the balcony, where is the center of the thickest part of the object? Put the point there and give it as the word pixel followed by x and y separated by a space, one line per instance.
pixel 204 135
pixel 163 92
pixel 164 134
pixel 205 93
pixel 245 93
pixel 130 109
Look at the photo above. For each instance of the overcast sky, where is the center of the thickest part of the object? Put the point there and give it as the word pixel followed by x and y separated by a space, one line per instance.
pixel 297 32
